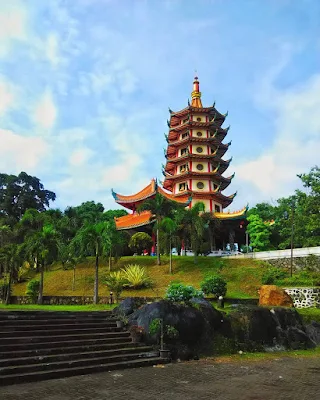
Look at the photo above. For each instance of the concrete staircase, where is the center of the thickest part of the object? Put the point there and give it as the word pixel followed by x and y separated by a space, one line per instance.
pixel 38 345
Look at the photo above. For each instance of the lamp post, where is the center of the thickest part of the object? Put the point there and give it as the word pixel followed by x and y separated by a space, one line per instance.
pixel 286 216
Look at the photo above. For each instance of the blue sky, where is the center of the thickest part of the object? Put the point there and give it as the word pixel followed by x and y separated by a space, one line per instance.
pixel 85 87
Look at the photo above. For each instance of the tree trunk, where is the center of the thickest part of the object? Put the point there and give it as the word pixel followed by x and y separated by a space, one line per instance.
pixel 110 259
pixel 74 278
pixel 9 287
pixel 40 296
pixel 158 245
pixel 170 257
pixel 96 278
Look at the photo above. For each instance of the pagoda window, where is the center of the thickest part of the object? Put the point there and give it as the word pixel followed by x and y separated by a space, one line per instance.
pixel 212 150
pixel 215 186
pixel 217 208
pixel 199 167
pixel 182 187
pixel 183 168
pixel 199 149
pixel 184 135
pixel 199 134
pixel 184 151
pixel 200 185
pixel 199 119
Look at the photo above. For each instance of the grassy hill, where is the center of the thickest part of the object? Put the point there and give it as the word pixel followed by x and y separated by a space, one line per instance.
pixel 243 276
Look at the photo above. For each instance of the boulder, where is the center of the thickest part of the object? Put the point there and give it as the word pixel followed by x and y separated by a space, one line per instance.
pixel 313 331
pixel 129 305
pixel 271 295
pixel 195 324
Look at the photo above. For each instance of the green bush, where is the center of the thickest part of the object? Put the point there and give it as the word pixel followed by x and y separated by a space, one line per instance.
pixel 32 290
pixel 136 277
pixel 4 287
pixel 169 331
pixel 215 285
pixel 178 292
pixel 272 275
pixel 302 278
pixel 140 241
pixel 115 283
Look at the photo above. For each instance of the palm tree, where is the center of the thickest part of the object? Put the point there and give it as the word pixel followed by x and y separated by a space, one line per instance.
pixel 160 207
pixel 94 239
pixel 42 245
pixel 169 227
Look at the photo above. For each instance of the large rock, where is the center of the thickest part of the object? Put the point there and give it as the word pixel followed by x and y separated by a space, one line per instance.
pixel 196 325
pixel 129 305
pixel 313 331
pixel 259 328
pixel 271 295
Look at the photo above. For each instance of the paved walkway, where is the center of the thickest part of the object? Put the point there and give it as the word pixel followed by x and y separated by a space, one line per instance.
pixel 278 379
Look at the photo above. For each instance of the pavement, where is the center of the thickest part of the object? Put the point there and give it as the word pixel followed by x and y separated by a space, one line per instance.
pixel 283 378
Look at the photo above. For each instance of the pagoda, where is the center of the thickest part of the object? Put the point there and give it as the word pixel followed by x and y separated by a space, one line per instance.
pixel 194 170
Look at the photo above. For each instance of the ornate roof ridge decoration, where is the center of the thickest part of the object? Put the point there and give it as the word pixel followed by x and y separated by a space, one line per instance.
pixel 232 215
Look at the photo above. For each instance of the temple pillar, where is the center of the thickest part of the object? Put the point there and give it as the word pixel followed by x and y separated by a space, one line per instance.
pixel 153 248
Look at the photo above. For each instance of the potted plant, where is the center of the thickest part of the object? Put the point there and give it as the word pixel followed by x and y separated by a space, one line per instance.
pixel 122 320
pixel 136 333
pixel 166 331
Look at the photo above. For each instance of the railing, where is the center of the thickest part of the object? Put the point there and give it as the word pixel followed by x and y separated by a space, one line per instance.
pixel 274 254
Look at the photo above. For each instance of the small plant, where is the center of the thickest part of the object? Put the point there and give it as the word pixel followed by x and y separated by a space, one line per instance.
pixel 165 332
pixel 115 282
pixel 178 292
pixel 155 326
pixel 32 290
pixel 136 333
pixel 215 285
pixel 136 276
pixel 171 332
pixel 272 275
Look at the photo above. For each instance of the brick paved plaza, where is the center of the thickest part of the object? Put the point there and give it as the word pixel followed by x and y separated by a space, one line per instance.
pixel 280 379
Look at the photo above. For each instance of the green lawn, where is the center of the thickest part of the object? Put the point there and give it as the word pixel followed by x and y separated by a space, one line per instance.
pixel 243 276
pixel 309 314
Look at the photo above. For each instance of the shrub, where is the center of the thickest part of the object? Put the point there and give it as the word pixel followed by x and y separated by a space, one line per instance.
pixel 136 277
pixel 215 285
pixel 178 292
pixel 272 275
pixel 4 287
pixel 115 283
pixel 140 241
pixel 169 331
pixel 32 290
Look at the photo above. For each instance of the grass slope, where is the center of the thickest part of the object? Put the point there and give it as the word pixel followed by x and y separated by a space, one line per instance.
pixel 243 276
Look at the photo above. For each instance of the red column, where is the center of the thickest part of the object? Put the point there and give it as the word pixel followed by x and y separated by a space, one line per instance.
pixel 153 248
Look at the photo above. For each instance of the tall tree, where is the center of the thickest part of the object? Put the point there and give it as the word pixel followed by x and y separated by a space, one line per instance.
pixel 19 193
pixel 160 207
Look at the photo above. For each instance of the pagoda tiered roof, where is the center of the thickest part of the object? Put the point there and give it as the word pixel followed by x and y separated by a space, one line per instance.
pixel 132 202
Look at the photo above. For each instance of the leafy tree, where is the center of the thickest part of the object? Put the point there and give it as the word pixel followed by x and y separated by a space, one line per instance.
pixel 259 233
pixel 19 193
pixel 160 207
pixel 215 285
pixel 140 241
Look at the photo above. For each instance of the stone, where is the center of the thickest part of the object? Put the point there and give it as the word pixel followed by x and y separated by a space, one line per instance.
pixel 129 305
pixel 313 331
pixel 272 295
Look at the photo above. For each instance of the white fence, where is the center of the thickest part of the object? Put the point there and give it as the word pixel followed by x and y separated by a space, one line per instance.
pixel 274 254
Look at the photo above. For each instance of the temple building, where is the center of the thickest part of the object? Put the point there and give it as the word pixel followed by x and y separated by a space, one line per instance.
pixel 194 172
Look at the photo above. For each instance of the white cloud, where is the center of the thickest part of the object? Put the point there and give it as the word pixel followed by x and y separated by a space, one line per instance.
pixel 296 146
pixel 45 112
pixel 19 153
pixel 13 19
pixel 80 156
pixel 52 49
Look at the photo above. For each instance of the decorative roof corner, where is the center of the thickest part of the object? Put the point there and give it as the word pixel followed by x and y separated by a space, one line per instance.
pixel 214 104
pixel 170 111
pixel 188 103
pixel 114 195
pixel 227 128
pixel 229 144
pixel 226 114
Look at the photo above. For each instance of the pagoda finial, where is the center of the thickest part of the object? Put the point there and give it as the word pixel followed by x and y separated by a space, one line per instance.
pixel 196 94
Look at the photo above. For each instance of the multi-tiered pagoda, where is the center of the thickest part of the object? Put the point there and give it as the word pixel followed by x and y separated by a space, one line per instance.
pixel 194 170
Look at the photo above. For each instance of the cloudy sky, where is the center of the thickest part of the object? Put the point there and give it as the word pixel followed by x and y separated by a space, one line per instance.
pixel 85 87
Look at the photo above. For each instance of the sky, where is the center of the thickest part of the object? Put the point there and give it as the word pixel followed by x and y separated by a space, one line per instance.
pixel 85 87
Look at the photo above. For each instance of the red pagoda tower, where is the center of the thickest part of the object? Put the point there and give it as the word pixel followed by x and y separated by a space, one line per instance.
pixel 194 154
pixel 193 171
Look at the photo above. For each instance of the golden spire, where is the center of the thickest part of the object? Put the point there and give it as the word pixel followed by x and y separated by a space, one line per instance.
pixel 196 94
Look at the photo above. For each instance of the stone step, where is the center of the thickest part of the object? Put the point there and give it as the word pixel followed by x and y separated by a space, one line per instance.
pixel 61 338
pixel 52 358
pixel 14 315
pixel 72 371
pixel 65 347
pixel 35 332
pixel 55 322
pixel 23 345
pixel 71 363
